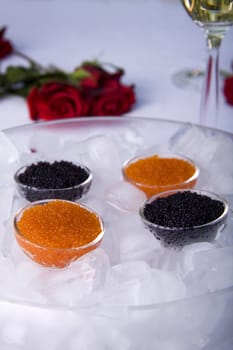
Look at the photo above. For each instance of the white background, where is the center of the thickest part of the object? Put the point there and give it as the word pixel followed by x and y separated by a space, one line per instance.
pixel 150 39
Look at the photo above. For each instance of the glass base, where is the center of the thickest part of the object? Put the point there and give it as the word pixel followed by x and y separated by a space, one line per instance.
pixel 192 78
pixel 189 78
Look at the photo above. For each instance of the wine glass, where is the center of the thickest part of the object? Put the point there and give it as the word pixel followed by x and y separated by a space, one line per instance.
pixel 215 17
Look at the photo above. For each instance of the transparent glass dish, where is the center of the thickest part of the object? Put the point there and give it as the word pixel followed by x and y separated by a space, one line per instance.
pixel 200 322
pixel 68 193
pixel 151 190
pixel 180 236
pixel 54 257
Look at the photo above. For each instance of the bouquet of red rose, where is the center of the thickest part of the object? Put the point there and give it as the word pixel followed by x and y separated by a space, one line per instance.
pixel 91 89
pixel 228 89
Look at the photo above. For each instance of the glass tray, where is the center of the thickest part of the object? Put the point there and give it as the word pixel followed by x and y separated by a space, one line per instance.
pixel 199 322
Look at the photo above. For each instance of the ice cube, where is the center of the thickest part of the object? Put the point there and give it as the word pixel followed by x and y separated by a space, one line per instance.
pixel 125 197
pixel 74 151
pixel 13 333
pixel 216 266
pixel 7 173
pixel 6 270
pixel 102 153
pixel 101 181
pixel 212 152
pixel 132 137
pixel 8 151
pixel 96 203
pixel 185 141
pixel 168 259
pixel 195 143
pixel 225 238
pixel 135 241
pixel 165 286
pixel 129 143
pixel 124 272
pixel 188 253
pixel 123 284
pixel 69 286
pixel 135 246
pixel 6 239
pixel 220 166
pixel 221 175
pixel 29 158
pixel 22 283
pixel 136 283
pixel 27 274
pixel 44 144
pixel 6 201
pixel 100 148
pixel 69 294
pixel 210 270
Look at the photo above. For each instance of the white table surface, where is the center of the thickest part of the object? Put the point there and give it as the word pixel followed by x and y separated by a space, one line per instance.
pixel 151 39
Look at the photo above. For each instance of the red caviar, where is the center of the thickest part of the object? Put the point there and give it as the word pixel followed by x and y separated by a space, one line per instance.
pixel 156 174
pixel 56 232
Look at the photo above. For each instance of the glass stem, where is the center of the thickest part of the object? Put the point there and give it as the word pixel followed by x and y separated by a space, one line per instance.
pixel 210 94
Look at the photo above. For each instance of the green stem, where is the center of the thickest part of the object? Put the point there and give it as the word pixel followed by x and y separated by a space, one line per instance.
pixel 27 58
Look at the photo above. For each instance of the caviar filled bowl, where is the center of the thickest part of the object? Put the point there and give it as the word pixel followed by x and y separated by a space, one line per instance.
pixel 53 180
pixel 55 233
pixel 177 218
pixel 154 173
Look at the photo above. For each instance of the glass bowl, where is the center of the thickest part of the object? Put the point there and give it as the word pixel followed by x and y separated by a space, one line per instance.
pixel 49 256
pixel 210 326
pixel 72 193
pixel 180 236
pixel 152 189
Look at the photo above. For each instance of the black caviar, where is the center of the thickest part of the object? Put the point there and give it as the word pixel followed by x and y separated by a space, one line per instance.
pixel 180 217
pixel 183 209
pixel 59 174
pixel 60 179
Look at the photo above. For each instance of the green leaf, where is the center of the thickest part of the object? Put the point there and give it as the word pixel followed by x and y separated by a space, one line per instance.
pixel 15 74
pixel 95 63
pixel 80 74
pixel 20 80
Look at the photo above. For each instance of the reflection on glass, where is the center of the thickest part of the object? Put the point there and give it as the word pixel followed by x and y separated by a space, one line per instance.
pixel 215 16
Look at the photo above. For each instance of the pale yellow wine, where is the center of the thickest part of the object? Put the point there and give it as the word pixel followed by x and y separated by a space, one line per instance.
pixel 210 12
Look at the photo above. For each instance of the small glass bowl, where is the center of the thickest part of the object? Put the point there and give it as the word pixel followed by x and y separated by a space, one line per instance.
pixel 54 257
pixel 181 236
pixel 73 193
pixel 151 190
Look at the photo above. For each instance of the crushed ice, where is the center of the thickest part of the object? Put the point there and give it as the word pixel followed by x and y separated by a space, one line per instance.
pixel 130 268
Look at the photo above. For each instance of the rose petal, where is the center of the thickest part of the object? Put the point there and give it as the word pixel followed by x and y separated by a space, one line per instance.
pixel 228 90
pixel 56 101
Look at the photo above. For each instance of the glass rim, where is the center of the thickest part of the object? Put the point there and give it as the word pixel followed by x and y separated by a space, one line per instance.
pixel 41 190
pixel 209 194
pixel 18 232
pixel 164 154
pixel 109 120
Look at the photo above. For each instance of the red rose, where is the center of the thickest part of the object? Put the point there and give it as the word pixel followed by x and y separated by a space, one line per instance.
pixel 114 99
pixel 228 89
pixel 56 101
pixel 98 76
pixel 5 45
